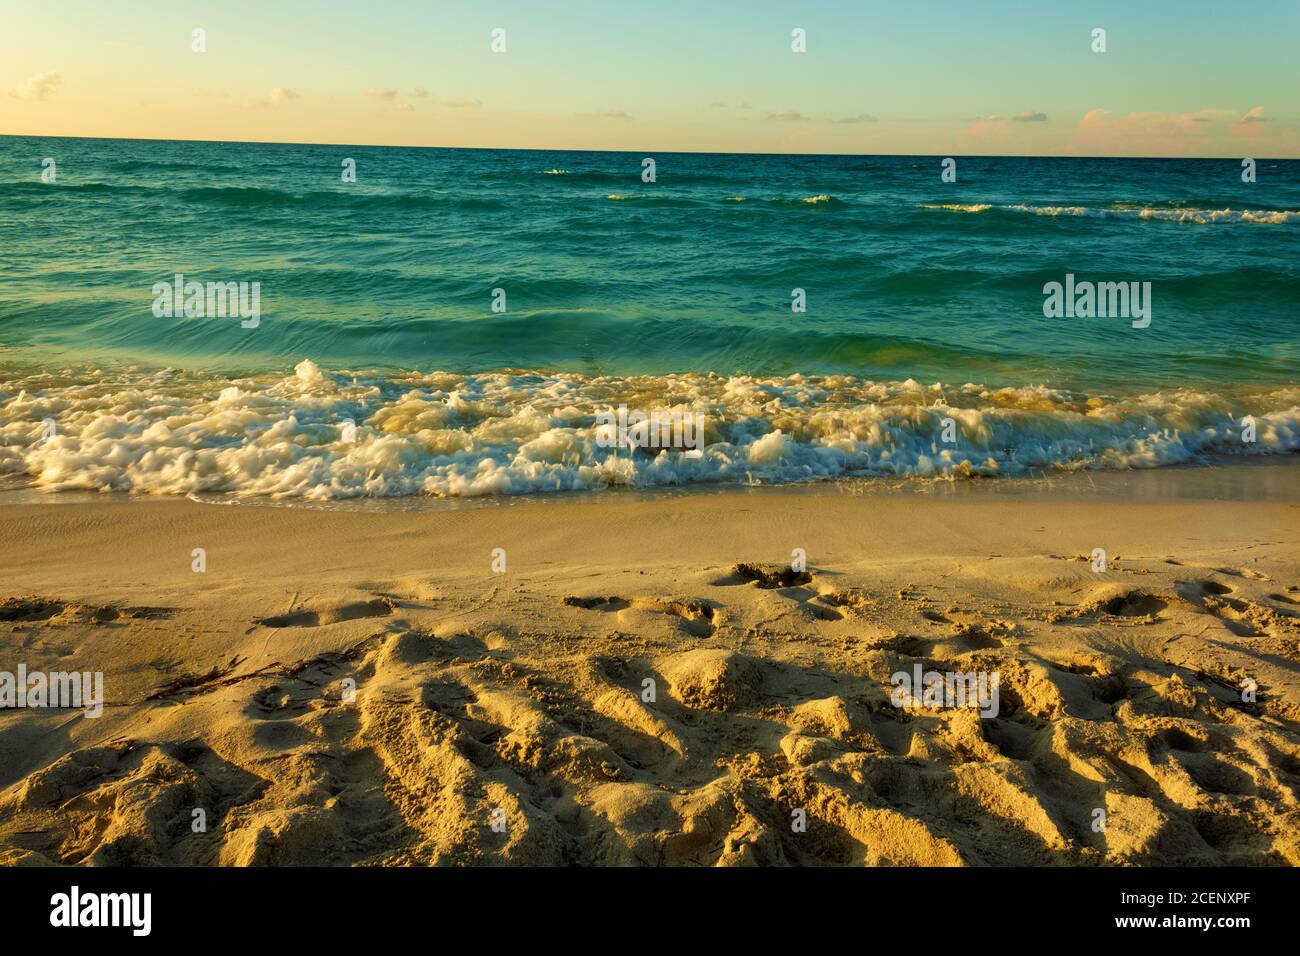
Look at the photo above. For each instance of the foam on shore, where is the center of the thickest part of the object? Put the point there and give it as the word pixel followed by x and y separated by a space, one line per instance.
pixel 446 434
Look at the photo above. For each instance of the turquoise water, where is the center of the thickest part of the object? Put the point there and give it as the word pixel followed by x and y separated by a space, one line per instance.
pixel 921 296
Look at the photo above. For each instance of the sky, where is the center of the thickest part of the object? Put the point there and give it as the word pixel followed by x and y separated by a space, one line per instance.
pixel 936 77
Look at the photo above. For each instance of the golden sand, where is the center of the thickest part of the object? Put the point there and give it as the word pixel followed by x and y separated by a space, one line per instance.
pixel 650 682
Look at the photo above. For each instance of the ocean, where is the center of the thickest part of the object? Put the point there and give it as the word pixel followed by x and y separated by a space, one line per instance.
pixel 455 322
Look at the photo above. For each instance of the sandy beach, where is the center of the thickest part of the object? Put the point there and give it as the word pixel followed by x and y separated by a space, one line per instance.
pixel 650 681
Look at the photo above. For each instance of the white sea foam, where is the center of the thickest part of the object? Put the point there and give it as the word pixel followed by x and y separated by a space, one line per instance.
pixel 1170 214
pixel 515 433
pixel 1268 216
pixel 960 207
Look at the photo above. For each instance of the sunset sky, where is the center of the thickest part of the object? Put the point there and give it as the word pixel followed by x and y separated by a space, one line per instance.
pixel 1188 78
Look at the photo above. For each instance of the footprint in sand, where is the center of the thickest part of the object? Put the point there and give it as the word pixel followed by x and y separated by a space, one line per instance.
pixel 1133 607
pixel 70 612
pixel 971 631
pixel 766 576
pixel 827 605
pixel 1134 604
pixel 695 616
pixel 851 600
pixel 29 609
pixel 350 611
pixel 1244 618
pixel 1245 573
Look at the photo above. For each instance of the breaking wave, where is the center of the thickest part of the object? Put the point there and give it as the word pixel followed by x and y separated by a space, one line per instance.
pixel 510 433
pixel 1164 213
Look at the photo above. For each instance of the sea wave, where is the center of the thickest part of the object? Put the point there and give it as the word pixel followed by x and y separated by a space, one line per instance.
pixel 821 199
pixel 1164 213
pixel 254 197
pixel 329 200
pixel 50 190
pixel 205 166
pixel 959 207
pixel 508 433
pixel 573 177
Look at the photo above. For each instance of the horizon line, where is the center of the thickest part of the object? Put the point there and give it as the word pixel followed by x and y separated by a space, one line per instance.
pixel 698 152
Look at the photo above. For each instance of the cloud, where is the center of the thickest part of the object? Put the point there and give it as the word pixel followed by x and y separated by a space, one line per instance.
pixel 39 87
pixel 860 118
pixel 614 114
pixel 994 123
pixel 996 128
pixel 384 94
pixel 1252 127
pixel 280 95
pixel 1106 133
pixel 420 93
pixel 988 125
pixel 787 116
pixel 465 103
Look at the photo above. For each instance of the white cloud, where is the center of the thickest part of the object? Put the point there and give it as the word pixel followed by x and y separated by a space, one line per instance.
pixel 1156 134
pixel 39 87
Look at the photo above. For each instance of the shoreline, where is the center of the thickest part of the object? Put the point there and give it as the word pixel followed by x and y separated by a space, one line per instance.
pixel 1261 478
pixel 1270 477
